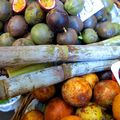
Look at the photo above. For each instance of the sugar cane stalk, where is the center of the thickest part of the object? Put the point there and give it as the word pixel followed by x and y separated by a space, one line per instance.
pixel 27 82
pixel 23 55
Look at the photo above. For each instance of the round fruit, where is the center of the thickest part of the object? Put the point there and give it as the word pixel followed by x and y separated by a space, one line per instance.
pixel 6 39
pixel 74 7
pixel 71 117
pixel 90 112
pixel 59 6
pixel 75 23
pixel 5 10
pixel 57 20
pixel 44 93
pixel 105 91
pixel 23 42
pixel 47 4
pixel 33 13
pixel 17 26
pixel 90 22
pixel 18 5
pixel 89 36
pixel 33 115
pixel 68 37
pixel 116 107
pixel 77 91
pixel 92 79
pixel 41 34
pixel 56 109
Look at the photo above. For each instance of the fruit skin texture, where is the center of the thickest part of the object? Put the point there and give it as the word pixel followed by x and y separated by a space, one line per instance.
pixel 67 38
pixel 17 26
pixel 73 7
pixel 57 20
pixel 90 112
pixel 44 93
pixel 33 13
pixel 5 10
pixel 76 91
pixel 56 109
pixel 91 78
pixel 116 107
pixel 105 91
pixel 41 34
pixel 33 115
pixel 71 117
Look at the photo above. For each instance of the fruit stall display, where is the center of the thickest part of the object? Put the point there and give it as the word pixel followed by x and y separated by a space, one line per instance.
pixel 49 55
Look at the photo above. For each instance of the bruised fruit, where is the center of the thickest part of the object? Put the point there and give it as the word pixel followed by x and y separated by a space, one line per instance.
pixel 91 78
pixel 33 115
pixel 23 42
pixel 77 91
pixel 71 117
pixel 41 34
pixel 57 20
pixel 33 13
pixel 6 39
pixel 5 10
pixel 105 91
pixel 68 37
pixel 56 109
pixel 75 23
pixel 17 26
pixel 74 7
pixel 47 4
pixel 89 36
pixel 44 93
pixel 116 107
pixel 18 5
pixel 90 112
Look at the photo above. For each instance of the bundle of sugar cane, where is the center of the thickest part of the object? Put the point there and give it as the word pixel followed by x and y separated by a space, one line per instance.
pixel 22 55
pixel 24 83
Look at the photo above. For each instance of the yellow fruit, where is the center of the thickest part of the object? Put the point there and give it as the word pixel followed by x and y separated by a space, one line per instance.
pixel 33 115
pixel 116 107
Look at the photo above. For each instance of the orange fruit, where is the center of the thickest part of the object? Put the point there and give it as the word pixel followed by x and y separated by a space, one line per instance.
pixel 44 93
pixel 33 115
pixel 116 107
pixel 56 109
pixel 18 5
pixel 77 91
pixel 92 79
pixel 71 117
pixel 47 4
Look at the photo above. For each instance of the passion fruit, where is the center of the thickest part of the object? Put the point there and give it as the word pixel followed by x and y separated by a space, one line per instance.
pixel 17 26
pixel 18 5
pixel 5 10
pixel 33 13
pixel 57 20
pixel 47 4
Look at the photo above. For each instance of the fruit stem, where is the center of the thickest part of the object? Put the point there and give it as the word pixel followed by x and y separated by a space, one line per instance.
pixel 64 29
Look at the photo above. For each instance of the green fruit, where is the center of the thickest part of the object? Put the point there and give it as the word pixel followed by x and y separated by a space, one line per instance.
pixel 108 4
pixel 23 42
pixel 33 13
pixel 90 112
pixel 41 34
pixel 73 7
pixel 89 36
pixel 5 10
pixel 6 39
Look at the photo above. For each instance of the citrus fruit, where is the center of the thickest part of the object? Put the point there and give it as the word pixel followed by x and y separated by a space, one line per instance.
pixel 18 5
pixel 71 117
pixel 116 107
pixel 47 4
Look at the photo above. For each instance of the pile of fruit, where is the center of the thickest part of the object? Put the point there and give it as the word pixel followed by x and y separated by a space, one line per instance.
pixel 31 22
pixel 39 22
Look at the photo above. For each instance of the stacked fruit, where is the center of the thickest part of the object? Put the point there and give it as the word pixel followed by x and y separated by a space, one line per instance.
pixel 53 21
